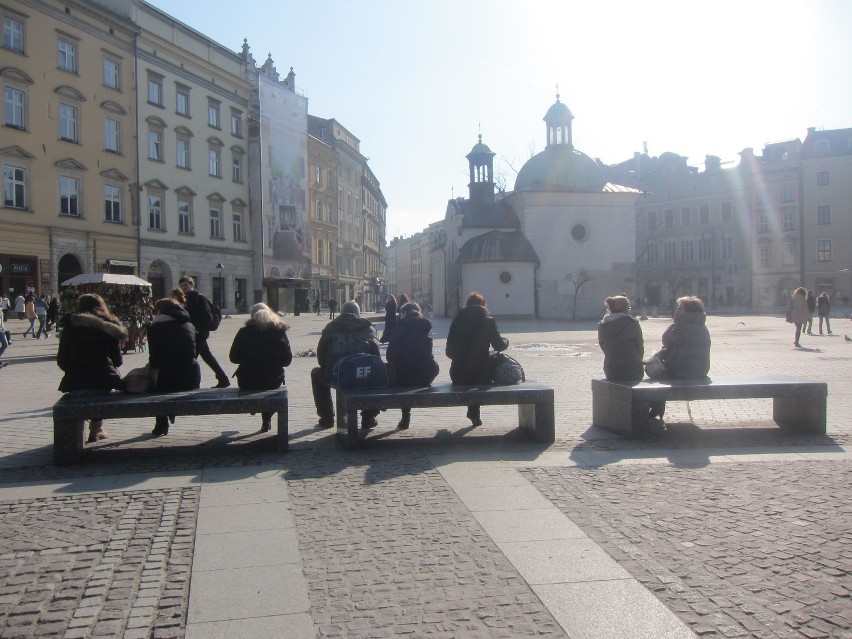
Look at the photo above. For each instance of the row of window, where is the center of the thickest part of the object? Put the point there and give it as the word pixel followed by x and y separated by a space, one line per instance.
pixel 185 215
pixel 156 97
pixel 690 250
pixel 686 218
pixel 183 152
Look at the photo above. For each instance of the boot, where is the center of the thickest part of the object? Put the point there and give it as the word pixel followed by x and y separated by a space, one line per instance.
pixel 405 422
pixel 266 422
pixel 162 426
pixel 96 431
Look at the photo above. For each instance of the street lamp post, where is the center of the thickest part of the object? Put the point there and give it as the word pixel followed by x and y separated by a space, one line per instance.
pixel 221 267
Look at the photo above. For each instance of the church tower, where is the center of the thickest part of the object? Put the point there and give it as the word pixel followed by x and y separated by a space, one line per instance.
pixel 558 121
pixel 481 161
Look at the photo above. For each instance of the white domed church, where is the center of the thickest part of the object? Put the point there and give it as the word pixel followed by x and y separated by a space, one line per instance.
pixel 554 247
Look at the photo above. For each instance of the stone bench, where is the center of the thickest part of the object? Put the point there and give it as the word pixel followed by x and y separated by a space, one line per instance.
pixel 71 411
pixel 534 401
pixel 622 407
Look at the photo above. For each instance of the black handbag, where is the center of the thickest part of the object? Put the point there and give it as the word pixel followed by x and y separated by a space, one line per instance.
pixel 506 370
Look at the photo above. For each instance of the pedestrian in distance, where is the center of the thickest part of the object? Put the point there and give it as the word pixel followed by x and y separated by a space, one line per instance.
pixel 390 318
pixel 172 353
pixel 810 299
pixel 317 306
pixel 409 353
pixel 824 309
pixel 261 351
pixel 332 308
pixel 347 334
pixel 200 311
pixel 41 306
pixel 4 341
pixel 89 353
pixel 20 306
pixel 52 312
pixel 4 306
pixel 620 338
pixel 797 312
pixel 471 332
pixel 30 312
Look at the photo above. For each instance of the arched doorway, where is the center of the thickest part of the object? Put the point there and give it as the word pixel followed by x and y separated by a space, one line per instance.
pixel 69 266
pixel 159 276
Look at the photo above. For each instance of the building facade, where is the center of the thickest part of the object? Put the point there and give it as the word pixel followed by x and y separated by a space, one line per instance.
pixel 67 150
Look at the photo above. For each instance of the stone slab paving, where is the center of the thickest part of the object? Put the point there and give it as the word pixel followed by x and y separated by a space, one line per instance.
pixel 735 550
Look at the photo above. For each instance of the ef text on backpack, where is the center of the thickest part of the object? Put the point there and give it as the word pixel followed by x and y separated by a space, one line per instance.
pixel 359 370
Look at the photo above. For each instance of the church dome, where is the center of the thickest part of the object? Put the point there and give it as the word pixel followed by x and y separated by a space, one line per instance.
pixel 480 148
pixel 560 168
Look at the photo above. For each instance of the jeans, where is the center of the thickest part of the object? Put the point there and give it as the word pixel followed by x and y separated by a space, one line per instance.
pixel 827 323
pixel 205 354
pixel 42 326
pixel 4 343
pixel 31 328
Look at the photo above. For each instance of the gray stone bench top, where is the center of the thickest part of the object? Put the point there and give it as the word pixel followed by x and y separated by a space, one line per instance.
pixel 213 401
pixel 443 395
pixel 711 388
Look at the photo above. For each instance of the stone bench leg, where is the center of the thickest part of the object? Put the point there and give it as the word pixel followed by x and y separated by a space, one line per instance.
pixel 347 424
pixel 623 417
pixel 283 440
pixel 800 413
pixel 67 440
pixel 538 421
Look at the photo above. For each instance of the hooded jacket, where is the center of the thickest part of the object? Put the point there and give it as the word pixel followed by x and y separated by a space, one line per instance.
pixel 687 346
pixel 345 334
pixel 262 351
pixel 620 339
pixel 410 352
pixel 89 353
pixel 171 351
pixel 472 331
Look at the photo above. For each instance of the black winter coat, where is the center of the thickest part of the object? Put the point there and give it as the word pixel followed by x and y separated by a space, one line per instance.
pixel 687 347
pixel 262 351
pixel 471 333
pixel 344 335
pixel 620 338
pixel 410 352
pixel 90 353
pixel 171 350
pixel 390 320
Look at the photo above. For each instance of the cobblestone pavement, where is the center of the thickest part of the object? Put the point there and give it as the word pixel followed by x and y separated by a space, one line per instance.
pixel 389 550
pixel 736 550
pixel 753 548
pixel 104 565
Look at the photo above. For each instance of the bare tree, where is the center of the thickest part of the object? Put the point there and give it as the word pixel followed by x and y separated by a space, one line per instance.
pixel 578 278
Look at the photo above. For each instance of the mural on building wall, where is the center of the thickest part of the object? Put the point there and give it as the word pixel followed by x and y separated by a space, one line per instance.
pixel 286 228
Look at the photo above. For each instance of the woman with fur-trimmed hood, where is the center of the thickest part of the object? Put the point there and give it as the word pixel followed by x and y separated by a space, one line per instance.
pixel 620 339
pixel 90 352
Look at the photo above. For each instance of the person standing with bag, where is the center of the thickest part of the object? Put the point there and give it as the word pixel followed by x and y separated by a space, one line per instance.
pixel 201 316
pixel 261 351
pixel 472 331
pixel 824 309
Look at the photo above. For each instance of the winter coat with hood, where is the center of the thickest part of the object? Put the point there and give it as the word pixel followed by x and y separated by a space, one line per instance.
pixel 472 331
pixel 171 350
pixel 261 352
pixel 620 338
pixel 90 353
pixel 687 346
pixel 345 334
pixel 410 352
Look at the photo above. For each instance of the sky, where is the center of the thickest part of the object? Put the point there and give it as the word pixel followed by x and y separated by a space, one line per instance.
pixel 417 82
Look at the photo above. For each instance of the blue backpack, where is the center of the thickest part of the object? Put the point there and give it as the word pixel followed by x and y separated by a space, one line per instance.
pixel 359 370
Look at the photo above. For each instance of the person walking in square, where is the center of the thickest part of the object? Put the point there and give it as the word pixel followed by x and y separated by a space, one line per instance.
pixel 4 342
pixel 4 306
pixel 198 307
pixel 20 306
pixel 261 351
pixel 347 334
pixel 810 299
pixel 41 306
pixel 824 309
pixel 797 312
pixel 30 312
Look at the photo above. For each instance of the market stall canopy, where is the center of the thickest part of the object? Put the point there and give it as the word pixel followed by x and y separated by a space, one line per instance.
pixel 106 278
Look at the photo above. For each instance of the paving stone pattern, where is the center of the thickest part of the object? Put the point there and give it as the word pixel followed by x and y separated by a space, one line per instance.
pixel 115 564
pixel 735 550
pixel 388 550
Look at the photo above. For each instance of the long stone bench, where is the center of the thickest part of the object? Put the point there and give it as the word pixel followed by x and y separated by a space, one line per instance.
pixel 622 407
pixel 71 411
pixel 534 401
